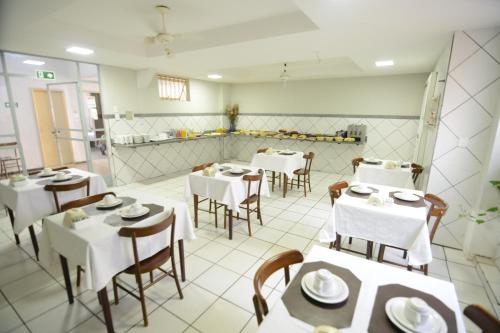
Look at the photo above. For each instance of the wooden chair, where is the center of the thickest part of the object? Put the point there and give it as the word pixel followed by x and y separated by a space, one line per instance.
pixel 251 199
pixel 279 261
pixel 416 170
pixel 148 265
pixel 197 200
pixel 7 162
pixel 482 318
pixel 55 188
pixel 335 191
pixel 437 210
pixel 274 175
pixel 355 163
pixel 80 203
pixel 35 171
pixel 305 172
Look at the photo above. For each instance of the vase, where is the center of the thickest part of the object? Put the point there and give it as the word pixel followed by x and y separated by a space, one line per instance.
pixel 232 126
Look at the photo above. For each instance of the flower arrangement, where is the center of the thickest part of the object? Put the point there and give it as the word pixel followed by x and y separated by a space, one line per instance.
pixel 232 111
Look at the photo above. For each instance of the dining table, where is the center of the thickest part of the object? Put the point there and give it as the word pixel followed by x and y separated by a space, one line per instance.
pixel 394 222
pixel 376 172
pixel 28 202
pixel 282 161
pixel 96 245
pixel 225 187
pixel 371 285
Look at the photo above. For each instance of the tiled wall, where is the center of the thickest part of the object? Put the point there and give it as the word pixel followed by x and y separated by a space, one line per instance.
pixel 390 138
pixel 465 127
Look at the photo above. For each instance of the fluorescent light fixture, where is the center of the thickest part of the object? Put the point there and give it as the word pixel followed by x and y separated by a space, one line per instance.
pixel 214 76
pixel 34 62
pixel 79 50
pixel 384 63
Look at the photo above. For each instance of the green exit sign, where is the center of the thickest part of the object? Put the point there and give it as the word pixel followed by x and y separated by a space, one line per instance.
pixel 45 75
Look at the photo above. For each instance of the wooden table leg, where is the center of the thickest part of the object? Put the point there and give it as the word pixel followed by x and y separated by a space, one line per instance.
pixel 11 217
pixel 180 242
pixel 67 280
pixel 195 197
pixel 285 185
pixel 230 223
pixel 33 240
pixel 103 297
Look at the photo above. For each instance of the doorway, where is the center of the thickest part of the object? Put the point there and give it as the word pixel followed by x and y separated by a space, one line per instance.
pixel 47 127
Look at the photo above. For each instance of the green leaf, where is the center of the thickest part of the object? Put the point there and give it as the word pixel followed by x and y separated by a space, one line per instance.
pixel 481 214
pixel 495 182
pixel 492 209
pixel 479 221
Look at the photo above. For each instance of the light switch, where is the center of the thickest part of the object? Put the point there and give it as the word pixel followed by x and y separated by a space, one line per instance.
pixel 463 142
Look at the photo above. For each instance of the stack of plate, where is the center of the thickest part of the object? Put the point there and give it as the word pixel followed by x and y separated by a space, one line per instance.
pixel 338 293
pixel 395 310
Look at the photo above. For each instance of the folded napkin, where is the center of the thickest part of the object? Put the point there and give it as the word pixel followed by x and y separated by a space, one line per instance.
pixel 209 172
pixel 390 165
pixel 269 151
pixel 376 199
pixel 16 180
pixel 73 218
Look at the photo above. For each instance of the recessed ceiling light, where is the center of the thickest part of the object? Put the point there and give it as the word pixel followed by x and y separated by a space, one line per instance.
pixel 33 62
pixel 79 50
pixel 384 63
pixel 214 76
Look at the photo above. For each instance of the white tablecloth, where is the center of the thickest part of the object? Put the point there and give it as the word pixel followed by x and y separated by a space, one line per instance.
pixel 377 174
pixel 396 225
pixel 98 247
pixel 227 190
pixel 372 275
pixel 31 202
pixel 279 163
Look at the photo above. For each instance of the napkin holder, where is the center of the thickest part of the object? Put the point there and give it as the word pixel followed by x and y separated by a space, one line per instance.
pixel 269 151
pixel 209 172
pixel 17 180
pixel 74 217
pixel 376 199
pixel 390 165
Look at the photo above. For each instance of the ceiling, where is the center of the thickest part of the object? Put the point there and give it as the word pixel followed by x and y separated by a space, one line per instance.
pixel 247 41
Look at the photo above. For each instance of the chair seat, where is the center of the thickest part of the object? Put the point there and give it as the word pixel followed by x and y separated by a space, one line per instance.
pixel 300 172
pixel 151 263
pixel 253 198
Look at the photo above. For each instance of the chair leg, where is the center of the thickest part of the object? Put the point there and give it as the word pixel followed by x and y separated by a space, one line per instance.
pixel 350 240
pixel 259 214
pixel 369 249
pixel 174 271
pixel 195 202
pixel 142 298
pixel 426 269
pixel 338 241
pixel 78 275
pixel 305 187
pixel 215 209
pixel 279 178
pixel 405 254
pixel 332 244
pixel 210 205
pixel 274 179
pixel 151 276
pixel 309 181
pixel 115 290
pixel 381 253
pixel 248 221
pixel 409 268
pixel 225 216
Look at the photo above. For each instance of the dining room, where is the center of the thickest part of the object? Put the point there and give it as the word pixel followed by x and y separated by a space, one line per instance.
pixel 276 165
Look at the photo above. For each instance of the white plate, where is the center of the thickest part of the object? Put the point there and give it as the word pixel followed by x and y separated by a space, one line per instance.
pixel 126 215
pixel 236 171
pixel 101 203
pixel 394 308
pixel 48 174
pixel 405 196
pixel 360 190
pixel 340 296
pixel 66 177
pixel 372 160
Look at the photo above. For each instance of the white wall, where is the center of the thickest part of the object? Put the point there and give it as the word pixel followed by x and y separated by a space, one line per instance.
pixel 382 95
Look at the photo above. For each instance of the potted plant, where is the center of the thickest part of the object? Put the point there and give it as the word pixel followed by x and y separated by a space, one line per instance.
pixel 232 111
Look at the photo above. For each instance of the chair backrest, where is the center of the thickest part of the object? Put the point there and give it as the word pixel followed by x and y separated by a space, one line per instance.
pixel 482 318
pixel 355 163
pixel 261 150
pixel 309 158
pixel 84 201
pixel 416 170
pixel 34 171
pixel 335 190
pixel 279 261
pixel 202 166
pixel 438 210
pixel 254 178
pixel 55 188
pixel 150 230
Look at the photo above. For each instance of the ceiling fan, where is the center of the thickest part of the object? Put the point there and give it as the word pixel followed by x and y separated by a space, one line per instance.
pixel 162 39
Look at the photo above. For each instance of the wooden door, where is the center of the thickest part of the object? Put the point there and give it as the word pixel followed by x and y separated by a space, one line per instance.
pixel 46 127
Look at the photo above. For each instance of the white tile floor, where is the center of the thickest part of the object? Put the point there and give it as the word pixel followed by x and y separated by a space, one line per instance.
pixel 218 290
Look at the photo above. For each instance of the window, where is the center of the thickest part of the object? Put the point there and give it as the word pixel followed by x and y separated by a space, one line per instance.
pixel 173 88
